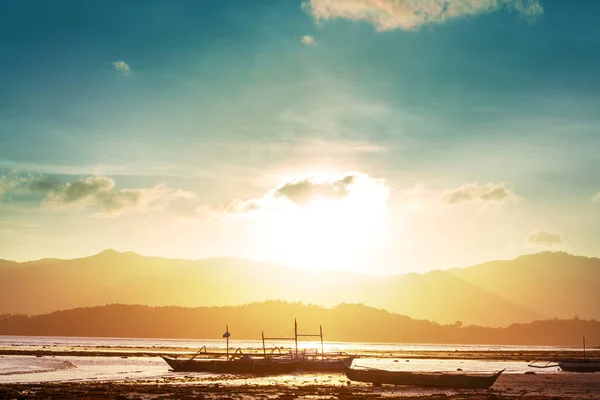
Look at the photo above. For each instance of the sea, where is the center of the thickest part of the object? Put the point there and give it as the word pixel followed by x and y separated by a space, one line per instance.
pixel 67 368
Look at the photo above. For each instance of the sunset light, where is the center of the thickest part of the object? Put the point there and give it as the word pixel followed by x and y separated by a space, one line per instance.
pixel 300 199
pixel 326 222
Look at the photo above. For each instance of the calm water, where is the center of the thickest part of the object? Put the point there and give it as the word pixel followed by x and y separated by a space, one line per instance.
pixel 71 368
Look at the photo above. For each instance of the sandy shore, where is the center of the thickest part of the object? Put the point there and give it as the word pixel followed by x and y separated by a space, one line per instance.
pixel 532 386
pixel 510 386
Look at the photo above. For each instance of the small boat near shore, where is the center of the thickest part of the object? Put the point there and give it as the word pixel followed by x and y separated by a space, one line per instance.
pixel 421 379
pixel 572 364
pixel 236 363
pixel 328 362
pixel 245 364
pixel 578 365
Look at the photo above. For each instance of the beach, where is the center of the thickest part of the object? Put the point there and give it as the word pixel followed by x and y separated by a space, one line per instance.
pixel 306 386
pixel 88 368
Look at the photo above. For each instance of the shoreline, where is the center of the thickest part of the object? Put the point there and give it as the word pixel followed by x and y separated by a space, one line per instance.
pixel 531 385
pixel 193 386
pixel 489 355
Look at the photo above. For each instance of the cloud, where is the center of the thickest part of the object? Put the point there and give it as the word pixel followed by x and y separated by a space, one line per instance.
pixel 9 183
pixel 308 40
pixel 44 184
pixel 596 197
pixel 475 193
pixel 305 190
pixel 387 15
pixel 100 193
pixel 122 67
pixel 238 206
pixel 542 238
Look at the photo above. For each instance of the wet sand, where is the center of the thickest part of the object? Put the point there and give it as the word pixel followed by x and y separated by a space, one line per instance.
pixel 334 386
pixel 308 386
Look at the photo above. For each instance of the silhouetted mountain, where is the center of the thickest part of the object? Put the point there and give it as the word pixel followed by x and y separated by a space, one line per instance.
pixel 498 293
pixel 345 322
pixel 557 284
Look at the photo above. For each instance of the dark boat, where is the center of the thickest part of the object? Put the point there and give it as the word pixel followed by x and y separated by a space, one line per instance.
pixel 422 379
pixel 233 363
pixel 326 363
pixel 578 365
pixel 243 365
pixel 572 364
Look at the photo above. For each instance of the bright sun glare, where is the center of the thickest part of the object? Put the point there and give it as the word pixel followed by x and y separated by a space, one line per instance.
pixel 336 229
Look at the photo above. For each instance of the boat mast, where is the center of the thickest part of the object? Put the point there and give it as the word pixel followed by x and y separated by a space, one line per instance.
pixel 226 336
pixel 296 335
pixel 263 340
pixel 584 347
pixel 322 351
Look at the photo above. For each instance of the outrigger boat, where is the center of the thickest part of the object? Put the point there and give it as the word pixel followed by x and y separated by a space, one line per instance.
pixel 245 364
pixel 577 365
pixel 422 379
pixel 573 364
pixel 315 362
pixel 235 363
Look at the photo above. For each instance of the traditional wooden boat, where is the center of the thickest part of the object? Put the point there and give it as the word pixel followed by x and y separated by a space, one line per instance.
pixel 234 363
pixel 325 363
pixel 572 364
pixel 422 379
pixel 579 365
pixel 242 365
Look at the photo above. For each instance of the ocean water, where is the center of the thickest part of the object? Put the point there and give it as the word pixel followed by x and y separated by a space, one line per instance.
pixel 17 368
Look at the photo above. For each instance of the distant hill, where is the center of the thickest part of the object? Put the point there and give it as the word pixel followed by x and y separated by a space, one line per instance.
pixel 498 293
pixel 345 322
pixel 557 284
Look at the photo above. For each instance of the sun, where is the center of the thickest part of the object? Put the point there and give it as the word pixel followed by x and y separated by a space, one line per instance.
pixel 328 222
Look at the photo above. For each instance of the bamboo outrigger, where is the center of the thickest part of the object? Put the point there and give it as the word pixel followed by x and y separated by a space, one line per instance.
pixel 572 364
pixel 238 362
pixel 323 362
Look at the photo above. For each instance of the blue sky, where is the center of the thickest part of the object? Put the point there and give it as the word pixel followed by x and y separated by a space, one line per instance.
pixel 167 113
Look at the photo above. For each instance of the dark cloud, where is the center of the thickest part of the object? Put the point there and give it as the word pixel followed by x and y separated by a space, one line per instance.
pixel 45 184
pixel 94 187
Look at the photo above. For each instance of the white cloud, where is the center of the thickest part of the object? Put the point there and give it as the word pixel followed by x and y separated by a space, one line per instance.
pixel 122 67
pixel 308 40
pixel 475 193
pixel 543 238
pixel 596 197
pixel 411 14
pixel 302 191
pixel 99 193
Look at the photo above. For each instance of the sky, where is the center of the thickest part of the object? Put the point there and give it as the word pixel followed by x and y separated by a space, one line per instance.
pixel 381 136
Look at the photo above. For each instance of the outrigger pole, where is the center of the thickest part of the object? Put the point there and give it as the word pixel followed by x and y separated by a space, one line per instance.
pixel 295 338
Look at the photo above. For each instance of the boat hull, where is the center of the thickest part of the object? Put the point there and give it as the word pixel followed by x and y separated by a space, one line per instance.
pixel 579 365
pixel 431 380
pixel 325 365
pixel 252 366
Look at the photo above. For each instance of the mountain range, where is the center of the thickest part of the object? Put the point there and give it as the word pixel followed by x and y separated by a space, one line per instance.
pixel 531 287
pixel 344 322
